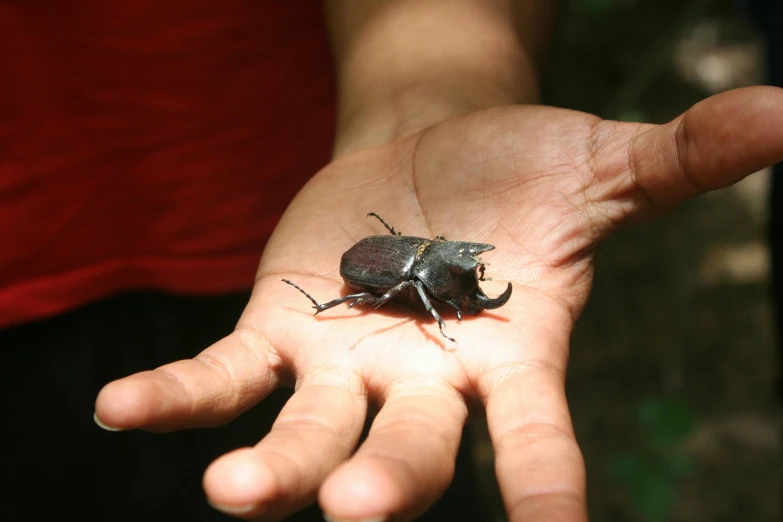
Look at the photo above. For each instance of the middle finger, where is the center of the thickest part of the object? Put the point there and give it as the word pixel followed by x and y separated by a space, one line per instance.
pixel 408 459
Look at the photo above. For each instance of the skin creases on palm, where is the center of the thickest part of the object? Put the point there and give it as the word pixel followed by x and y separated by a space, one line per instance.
pixel 483 188
pixel 478 179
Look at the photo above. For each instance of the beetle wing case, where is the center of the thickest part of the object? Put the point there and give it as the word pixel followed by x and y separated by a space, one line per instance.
pixel 381 262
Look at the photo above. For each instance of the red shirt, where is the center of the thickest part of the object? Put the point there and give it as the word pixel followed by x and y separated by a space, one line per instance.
pixel 151 144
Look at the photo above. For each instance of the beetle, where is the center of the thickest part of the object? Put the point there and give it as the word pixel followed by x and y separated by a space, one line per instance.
pixel 448 272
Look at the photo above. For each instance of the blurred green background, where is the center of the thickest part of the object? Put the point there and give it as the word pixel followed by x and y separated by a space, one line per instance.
pixel 673 366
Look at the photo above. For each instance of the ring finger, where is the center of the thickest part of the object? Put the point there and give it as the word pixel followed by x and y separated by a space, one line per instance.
pixel 317 429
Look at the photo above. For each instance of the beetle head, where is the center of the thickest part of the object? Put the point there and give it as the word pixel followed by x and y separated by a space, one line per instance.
pixel 461 256
pixel 464 258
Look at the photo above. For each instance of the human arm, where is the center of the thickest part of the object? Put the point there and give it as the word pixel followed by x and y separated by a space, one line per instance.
pixel 545 186
pixel 404 65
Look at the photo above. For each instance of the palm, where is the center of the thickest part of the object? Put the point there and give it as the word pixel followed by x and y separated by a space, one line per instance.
pixel 542 185
pixel 454 181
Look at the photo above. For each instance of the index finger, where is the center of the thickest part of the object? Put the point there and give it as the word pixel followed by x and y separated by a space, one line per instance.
pixel 217 385
pixel 539 467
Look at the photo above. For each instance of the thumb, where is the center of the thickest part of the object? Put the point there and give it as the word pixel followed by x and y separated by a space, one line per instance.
pixel 716 143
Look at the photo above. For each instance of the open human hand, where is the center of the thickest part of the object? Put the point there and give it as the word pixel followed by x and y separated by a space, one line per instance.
pixel 544 186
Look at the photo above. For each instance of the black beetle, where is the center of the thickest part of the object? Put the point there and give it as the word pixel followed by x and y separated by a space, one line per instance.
pixel 444 271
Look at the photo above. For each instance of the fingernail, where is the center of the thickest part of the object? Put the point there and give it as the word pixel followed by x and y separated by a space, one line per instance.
pixel 256 509
pixel 102 425
pixel 374 519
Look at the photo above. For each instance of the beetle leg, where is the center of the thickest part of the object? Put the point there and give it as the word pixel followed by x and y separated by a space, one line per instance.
pixel 379 301
pixel 456 306
pixel 388 226
pixel 334 302
pixel 428 306
pixel 360 298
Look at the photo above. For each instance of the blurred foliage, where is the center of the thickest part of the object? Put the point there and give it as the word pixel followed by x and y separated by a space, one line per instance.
pixel 595 7
pixel 598 8
pixel 650 476
pixel 634 115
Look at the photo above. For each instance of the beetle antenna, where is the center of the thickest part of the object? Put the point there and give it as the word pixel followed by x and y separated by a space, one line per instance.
pixel 388 226
pixel 315 303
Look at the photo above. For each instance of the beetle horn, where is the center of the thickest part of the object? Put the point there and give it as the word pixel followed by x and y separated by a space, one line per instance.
pixel 480 248
pixel 486 303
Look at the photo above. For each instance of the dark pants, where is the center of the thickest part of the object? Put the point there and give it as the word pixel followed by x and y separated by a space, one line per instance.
pixel 58 463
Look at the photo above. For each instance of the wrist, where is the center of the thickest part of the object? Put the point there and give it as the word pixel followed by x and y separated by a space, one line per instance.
pixel 376 120
pixel 418 63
